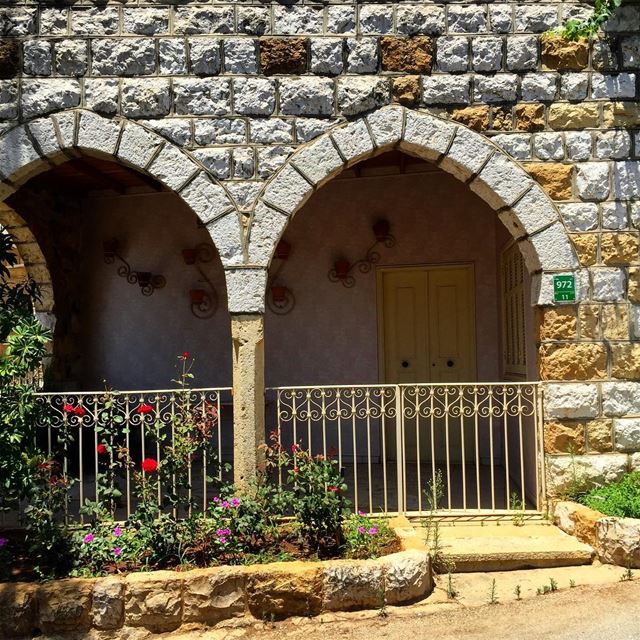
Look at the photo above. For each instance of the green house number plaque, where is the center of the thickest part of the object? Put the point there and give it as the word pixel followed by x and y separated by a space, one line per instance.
pixel 564 288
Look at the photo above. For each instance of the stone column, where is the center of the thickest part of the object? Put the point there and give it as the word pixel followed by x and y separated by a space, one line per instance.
pixel 247 332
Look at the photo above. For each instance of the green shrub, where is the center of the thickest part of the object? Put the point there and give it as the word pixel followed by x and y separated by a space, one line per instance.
pixel 620 498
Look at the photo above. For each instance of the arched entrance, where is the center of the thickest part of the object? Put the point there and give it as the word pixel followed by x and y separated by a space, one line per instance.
pixel 414 374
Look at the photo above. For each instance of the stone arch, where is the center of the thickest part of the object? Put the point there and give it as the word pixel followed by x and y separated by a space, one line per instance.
pixel 35 146
pixel 527 211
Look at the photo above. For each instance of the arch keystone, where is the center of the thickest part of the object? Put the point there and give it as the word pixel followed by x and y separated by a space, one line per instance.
pixel 386 126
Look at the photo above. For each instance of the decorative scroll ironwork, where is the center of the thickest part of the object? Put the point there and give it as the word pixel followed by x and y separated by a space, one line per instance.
pixel 148 281
pixel 204 303
pixel 280 298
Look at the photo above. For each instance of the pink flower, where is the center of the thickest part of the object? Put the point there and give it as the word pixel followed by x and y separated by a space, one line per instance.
pixel 216 499
pixel 225 504
pixel 361 513
pixel 117 532
pixel 372 531
pixel 117 551
pixel 223 540
pixel 361 530
pixel 235 502
pixel 88 538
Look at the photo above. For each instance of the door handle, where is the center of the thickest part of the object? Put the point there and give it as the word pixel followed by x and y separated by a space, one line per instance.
pixel 405 364
pixel 449 363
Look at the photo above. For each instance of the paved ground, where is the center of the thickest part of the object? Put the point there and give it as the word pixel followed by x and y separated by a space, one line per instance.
pixel 599 607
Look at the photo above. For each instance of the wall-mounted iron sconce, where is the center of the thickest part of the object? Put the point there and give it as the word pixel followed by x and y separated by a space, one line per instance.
pixel 280 299
pixel 148 281
pixel 343 269
pixel 204 302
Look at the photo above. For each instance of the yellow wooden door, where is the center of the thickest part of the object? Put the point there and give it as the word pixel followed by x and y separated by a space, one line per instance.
pixel 428 336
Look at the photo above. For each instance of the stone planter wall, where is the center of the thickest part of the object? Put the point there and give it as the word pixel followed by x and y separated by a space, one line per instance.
pixel 616 540
pixel 162 601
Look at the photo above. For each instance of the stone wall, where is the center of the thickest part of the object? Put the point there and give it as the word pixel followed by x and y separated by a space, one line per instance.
pixel 162 601
pixel 236 92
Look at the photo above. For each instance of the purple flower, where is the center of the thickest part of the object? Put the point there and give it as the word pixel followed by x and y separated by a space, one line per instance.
pixel 361 513
pixel 117 551
pixel 361 529
pixel 117 532
pixel 88 538
pixel 372 531
pixel 223 540
pixel 235 502
pixel 216 499
pixel 225 504
pixel 4 542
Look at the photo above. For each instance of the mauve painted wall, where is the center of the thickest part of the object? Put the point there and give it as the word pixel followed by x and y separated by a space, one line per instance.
pixel 331 335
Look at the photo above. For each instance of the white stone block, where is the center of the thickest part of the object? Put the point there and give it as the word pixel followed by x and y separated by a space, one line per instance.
pixel 587 471
pixel 386 126
pixel 318 161
pixel 426 136
pixel 608 284
pixel 580 216
pixel 553 250
pixel 287 191
pixel 137 146
pixel 626 433
pixel 353 141
pixel 531 213
pixel 570 400
pixel 467 153
pixel 592 180
pixel 172 167
pixel 620 398
pixel 226 233
pixel 208 200
pixel 96 133
pixel 17 154
pixel 266 228
pixel 246 290
pixel 501 182
pixel 44 133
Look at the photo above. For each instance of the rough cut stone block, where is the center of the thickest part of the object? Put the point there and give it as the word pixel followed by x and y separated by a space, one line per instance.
pixel 95 21
pixel 326 56
pixel 17 609
pixel 502 87
pixel 341 19
pixel 254 21
pixel 362 55
pixel 539 87
pixel 445 89
pixel 418 19
pixel 453 54
pixel 386 126
pixel 561 54
pixel 9 58
pixel 37 57
pixel 588 470
pixel 145 97
pixel 108 603
pixel 207 200
pixel 283 56
pixel 226 233
pixel 530 214
pixel 154 603
pixel 8 99
pixel 176 130
pixel 44 133
pixel 571 400
pixel 487 54
pixel 145 22
pixel 522 53
pixel 627 434
pixel 138 145
pixel 240 55
pixel 268 131
pixel 580 216
pixel 426 136
pixel 64 606
pixel 270 159
pixel 213 595
pixel 408 55
pixel 246 290
pixel 71 57
pixel 553 250
pixel 501 182
pixel 608 284
pixel 626 180
pixel 292 20
pixel 287 191
pixel 352 585
pixel 123 57
pixel 205 20
pixel 17 154
pixel 254 96
pixel 356 95
pixel 318 161
pixel 306 96
pixel 217 161
pixel 220 131
pixel 620 398
pixel 172 167
pixel 353 141
pixel 619 541
pixel 101 95
pixel 204 55
pixel 612 87
pixel 202 97
pixel 96 133
pixel 407 576
pixel 467 19
pixel 40 97
pixel 376 19
pixel 266 228
pixel 548 146
pixel 172 54
pixel 468 152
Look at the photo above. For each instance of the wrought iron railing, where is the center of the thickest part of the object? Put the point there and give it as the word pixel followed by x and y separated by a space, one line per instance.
pixel 71 427
pixel 457 448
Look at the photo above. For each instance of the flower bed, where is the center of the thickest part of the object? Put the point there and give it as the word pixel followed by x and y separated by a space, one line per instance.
pixel 163 601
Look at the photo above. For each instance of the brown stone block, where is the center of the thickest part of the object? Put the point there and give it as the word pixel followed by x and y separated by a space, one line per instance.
pixel 212 595
pixel 153 602
pixel 564 55
pixel 586 245
pixel 580 361
pixel 284 589
pixel 615 322
pixel 599 436
pixel 408 55
pixel 283 56
pixel 558 323
pixel 406 90
pixel 633 285
pixel 529 117
pixel 625 361
pixel 554 177
pixel 9 58
pixel 573 116
pixel 621 114
pixel 617 249
pixel 502 119
pixel 476 118
pixel 564 437
pixel 589 322
pixel 65 605
pixel 17 610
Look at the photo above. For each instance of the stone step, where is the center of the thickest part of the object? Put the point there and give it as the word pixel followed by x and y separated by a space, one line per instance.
pixel 506 547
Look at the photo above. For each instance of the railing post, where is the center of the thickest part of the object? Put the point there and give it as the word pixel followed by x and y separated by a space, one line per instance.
pixel 401 463
pixel 247 332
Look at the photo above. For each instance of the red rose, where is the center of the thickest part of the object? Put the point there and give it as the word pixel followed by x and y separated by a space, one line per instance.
pixel 185 355
pixel 333 488
pixel 79 411
pixel 68 408
pixel 102 450
pixel 144 408
pixel 295 469
pixel 149 465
